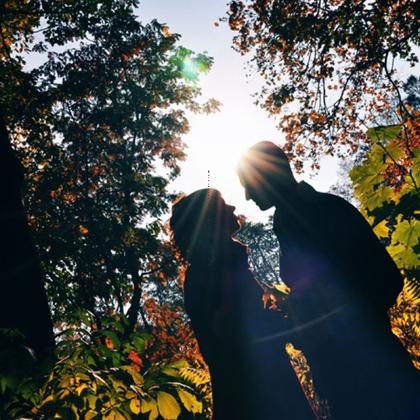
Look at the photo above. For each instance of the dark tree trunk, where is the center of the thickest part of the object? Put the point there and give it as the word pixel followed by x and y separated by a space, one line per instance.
pixel 23 301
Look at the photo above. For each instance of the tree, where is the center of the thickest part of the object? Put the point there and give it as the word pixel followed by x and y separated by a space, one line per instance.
pixel 264 251
pixel 329 67
pixel 98 127
pixel 23 302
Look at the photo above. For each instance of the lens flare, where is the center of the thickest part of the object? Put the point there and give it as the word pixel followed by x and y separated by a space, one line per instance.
pixel 190 69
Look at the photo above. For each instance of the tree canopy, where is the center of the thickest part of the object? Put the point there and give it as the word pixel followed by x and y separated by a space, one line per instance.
pixel 329 67
pixel 98 127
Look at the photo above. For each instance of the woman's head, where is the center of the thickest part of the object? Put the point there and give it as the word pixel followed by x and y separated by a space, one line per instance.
pixel 202 223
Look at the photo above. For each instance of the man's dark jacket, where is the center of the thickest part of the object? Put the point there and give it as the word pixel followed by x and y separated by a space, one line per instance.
pixel 343 282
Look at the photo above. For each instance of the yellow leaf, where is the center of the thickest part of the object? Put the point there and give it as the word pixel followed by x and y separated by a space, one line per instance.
pixel 90 415
pixel 114 415
pixel 50 398
pixel 80 388
pixel 92 401
pixel 168 406
pixel 147 405
pixel 150 405
pixel 282 287
pixel 119 416
pixel 381 229
pixel 137 378
pixel 190 401
pixel 135 406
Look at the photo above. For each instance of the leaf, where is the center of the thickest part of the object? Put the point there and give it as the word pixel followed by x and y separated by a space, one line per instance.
pixel 168 406
pixel 137 378
pixel 83 230
pixel 381 229
pixel 138 344
pixel 403 257
pixel 170 371
pixel 116 414
pixel 383 133
pixel 80 388
pixel 407 232
pixel 46 401
pixel 196 377
pixel 135 406
pixel 282 287
pixel 90 415
pixel 92 401
pixel 150 405
pixel 115 342
pixel 190 401
pixel 179 364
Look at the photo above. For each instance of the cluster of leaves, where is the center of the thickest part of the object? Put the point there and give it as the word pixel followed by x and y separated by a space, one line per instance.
pixel 303 372
pixel 104 374
pixel 329 67
pixel 386 185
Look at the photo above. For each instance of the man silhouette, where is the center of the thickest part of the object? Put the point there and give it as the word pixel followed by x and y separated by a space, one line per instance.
pixel 343 282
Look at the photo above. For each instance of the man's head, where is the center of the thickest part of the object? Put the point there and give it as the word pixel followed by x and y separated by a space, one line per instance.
pixel 265 173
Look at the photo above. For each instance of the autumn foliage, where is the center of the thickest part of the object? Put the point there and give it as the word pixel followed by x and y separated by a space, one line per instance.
pixel 97 122
pixel 329 67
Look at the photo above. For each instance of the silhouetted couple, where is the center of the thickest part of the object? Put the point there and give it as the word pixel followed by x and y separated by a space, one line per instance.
pixel 342 280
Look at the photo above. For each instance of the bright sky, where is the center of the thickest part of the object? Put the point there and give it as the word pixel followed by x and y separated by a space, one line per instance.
pixel 216 142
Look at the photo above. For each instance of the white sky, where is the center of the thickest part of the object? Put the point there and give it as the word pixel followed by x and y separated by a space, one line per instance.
pixel 215 142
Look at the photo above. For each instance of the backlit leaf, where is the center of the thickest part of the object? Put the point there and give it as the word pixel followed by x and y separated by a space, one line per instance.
pixel 381 229
pixel 135 406
pixel 190 401
pixel 168 406
pixel 384 133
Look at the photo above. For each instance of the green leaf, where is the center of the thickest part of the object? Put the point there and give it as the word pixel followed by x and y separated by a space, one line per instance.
pixel 407 232
pixel 168 406
pixel 138 344
pixel 416 166
pixel 405 238
pixel 383 133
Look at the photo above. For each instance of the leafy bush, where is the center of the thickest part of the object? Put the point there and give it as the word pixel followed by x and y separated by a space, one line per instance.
pixel 101 374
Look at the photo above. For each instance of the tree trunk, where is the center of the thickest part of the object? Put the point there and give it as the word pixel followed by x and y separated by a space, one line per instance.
pixel 23 301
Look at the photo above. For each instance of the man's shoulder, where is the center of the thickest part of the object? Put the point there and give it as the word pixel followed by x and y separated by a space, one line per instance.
pixel 315 207
pixel 326 199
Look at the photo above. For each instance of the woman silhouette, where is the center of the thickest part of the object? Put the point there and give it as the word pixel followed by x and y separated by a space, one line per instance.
pixel 250 379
